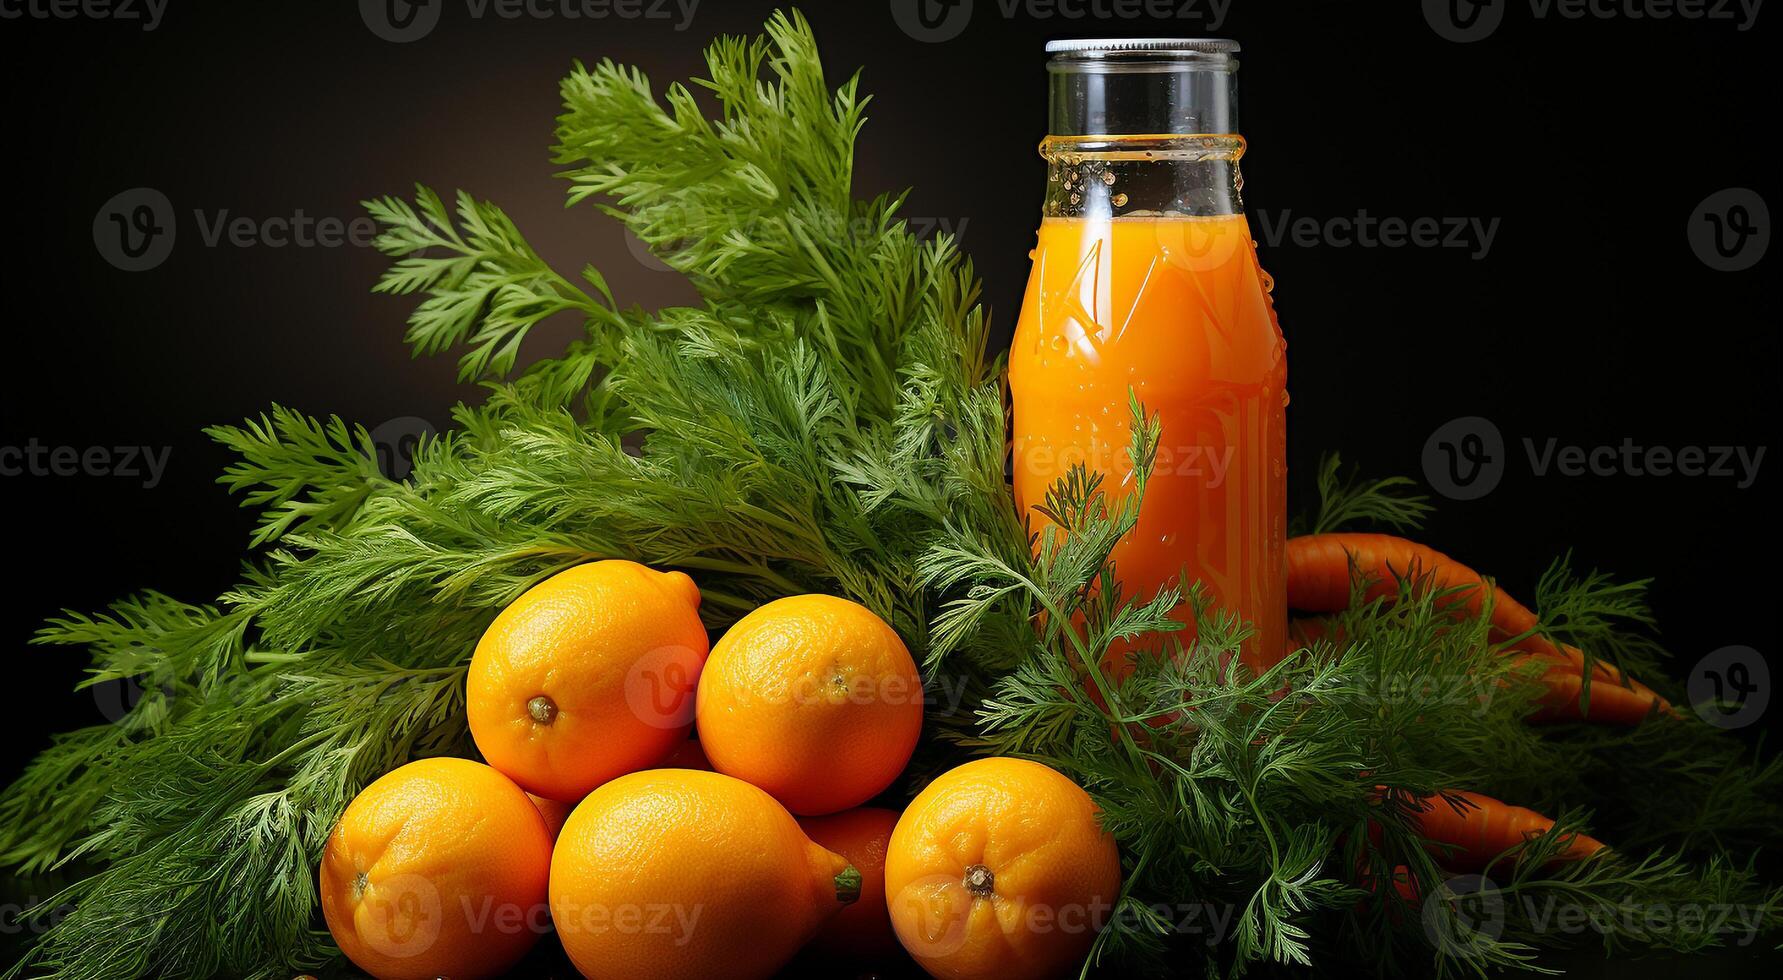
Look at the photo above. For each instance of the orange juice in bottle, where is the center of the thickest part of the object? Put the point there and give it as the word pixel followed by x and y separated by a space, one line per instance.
pixel 1145 279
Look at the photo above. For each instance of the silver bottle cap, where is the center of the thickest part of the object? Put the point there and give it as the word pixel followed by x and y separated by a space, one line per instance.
pixel 1204 45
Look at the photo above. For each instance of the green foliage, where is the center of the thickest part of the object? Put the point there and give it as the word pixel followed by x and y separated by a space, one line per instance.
pixel 485 286
pixel 1346 499
pixel 810 427
pixel 828 418
pixel 1257 810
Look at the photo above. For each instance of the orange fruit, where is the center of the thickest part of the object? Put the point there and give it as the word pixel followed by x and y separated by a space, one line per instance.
pixel 862 930
pixel 814 699
pixel 680 873
pixel 687 755
pixel 555 812
pixel 438 868
pixel 588 675
pixel 1000 868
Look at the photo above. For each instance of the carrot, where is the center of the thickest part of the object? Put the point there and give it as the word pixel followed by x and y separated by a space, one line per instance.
pixel 1319 581
pixel 1319 577
pixel 1611 703
pixel 1469 830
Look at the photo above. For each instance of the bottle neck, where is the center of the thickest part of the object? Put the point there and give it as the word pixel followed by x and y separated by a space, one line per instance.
pixel 1097 92
pixel 1104 177
pixel 1143 127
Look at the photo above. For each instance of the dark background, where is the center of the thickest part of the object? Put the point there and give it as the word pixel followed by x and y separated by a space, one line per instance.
pixel 1590 319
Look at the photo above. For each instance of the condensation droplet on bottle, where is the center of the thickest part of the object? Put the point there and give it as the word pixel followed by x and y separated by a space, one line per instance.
pixel 1057 342
pixel 1119 200
pixel 1108 177
pixel 1076 198
pixel 1268 281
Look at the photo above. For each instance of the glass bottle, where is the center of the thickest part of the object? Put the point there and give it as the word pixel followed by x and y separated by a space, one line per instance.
pixel 1145 279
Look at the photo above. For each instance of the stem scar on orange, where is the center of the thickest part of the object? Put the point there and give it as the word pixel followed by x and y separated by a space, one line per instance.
pixel 814 699
pixel 588 675
pixel 1000 869
pixel 672 873
pixel 438 868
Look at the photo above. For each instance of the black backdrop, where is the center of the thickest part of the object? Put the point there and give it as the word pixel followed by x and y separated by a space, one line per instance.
pixel 1586 145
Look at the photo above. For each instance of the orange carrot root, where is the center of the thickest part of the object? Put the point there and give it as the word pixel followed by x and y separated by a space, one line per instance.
pixel 1611 703
pixel 1482 828
pixel 1319 582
